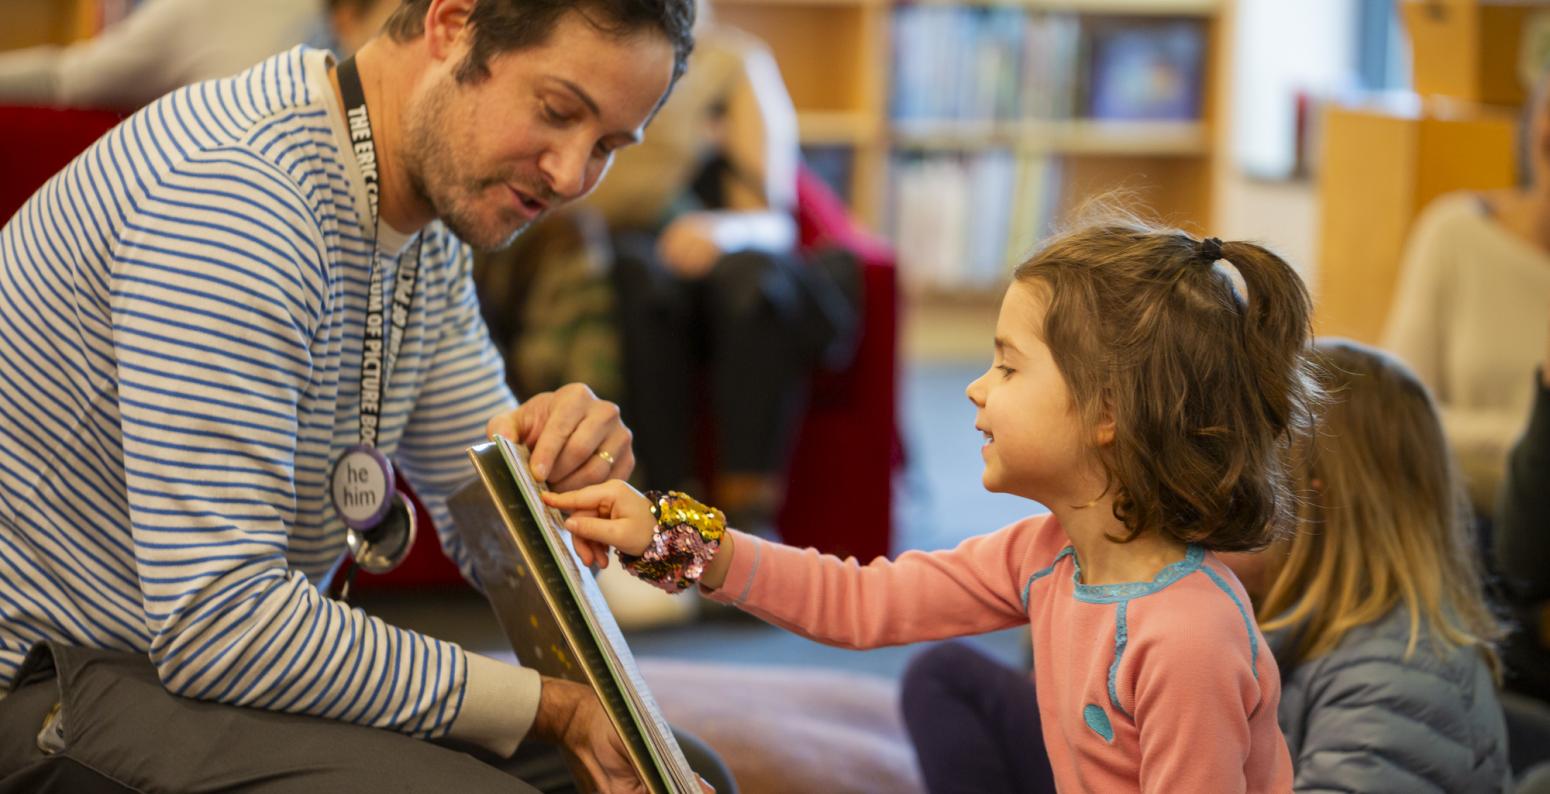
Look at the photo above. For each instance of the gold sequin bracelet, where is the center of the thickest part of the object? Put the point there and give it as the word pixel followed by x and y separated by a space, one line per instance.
pixel 687 536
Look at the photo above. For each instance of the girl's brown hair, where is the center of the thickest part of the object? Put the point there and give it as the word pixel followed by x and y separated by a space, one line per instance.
pixel 1388 520
pixel 1205 383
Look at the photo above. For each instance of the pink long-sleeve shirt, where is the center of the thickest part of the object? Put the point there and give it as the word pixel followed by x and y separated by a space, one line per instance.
pixel 1162 686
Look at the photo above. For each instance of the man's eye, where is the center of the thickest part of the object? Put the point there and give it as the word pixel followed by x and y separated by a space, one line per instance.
pixel 553 116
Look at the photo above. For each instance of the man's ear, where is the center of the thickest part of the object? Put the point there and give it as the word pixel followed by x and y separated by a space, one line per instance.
pixel 446 28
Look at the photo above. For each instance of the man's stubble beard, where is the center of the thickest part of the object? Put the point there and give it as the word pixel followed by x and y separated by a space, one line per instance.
pixel 431 166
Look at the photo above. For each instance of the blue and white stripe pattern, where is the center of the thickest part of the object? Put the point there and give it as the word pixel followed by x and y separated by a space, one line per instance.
pixel 181 317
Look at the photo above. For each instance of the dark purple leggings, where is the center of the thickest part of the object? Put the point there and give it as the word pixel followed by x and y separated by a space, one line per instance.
pixel 974 723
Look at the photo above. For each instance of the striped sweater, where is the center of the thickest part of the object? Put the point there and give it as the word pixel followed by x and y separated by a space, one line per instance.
pixel 181 323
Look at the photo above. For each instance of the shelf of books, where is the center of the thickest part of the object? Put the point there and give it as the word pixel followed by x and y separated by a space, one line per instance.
pixel 966 130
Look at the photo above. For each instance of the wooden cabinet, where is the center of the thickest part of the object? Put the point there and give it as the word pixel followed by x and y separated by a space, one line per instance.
pixel 1383 162
pixel 31 22
pixel 1379 168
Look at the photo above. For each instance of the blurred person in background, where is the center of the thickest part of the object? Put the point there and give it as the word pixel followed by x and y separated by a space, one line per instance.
pixel 1469 315
pixel 1522 551
pixel 167 44
pixel 678 277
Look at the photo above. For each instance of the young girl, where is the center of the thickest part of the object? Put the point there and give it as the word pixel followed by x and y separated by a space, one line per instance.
pixel 1148 403
pixel 1374 607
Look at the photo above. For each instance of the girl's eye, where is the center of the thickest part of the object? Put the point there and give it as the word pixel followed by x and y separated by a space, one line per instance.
pixel 1006 371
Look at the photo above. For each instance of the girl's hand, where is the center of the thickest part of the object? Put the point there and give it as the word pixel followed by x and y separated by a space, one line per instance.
pixel 609 514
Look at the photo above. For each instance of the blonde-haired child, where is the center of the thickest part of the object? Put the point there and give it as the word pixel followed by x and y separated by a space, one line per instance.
pixel 1148 402
pixel 1374 607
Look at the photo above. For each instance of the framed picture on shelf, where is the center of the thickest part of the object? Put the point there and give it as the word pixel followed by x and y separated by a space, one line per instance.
pixel 834 165
pixel 1145 69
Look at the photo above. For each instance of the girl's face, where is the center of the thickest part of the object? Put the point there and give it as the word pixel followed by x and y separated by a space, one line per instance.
pixel 1033 434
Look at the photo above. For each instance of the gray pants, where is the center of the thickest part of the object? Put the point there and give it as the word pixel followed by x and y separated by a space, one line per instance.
pixel 120 730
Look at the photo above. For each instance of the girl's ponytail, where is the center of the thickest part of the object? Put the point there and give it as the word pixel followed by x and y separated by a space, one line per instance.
pixel 1278 326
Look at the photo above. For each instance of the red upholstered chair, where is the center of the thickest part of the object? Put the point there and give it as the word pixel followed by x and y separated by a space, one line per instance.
pixel 35 143
pixel 840 491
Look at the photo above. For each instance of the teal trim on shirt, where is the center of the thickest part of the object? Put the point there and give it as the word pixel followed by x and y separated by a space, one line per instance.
pixel 1040 574
pixel 1121 595
pixel 1121 639
pixel 1248 620
pixel 1114 593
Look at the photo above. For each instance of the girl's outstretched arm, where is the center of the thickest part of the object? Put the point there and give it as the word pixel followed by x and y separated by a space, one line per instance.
pixel 979 586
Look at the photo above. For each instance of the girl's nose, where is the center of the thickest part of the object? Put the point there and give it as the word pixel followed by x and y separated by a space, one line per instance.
pixel 975 391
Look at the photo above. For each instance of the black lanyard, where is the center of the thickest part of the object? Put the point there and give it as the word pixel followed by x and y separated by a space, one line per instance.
pixel 379 344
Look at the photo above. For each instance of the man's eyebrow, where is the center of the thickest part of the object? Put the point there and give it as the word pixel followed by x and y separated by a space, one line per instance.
pixel 633 136
pixel 581 94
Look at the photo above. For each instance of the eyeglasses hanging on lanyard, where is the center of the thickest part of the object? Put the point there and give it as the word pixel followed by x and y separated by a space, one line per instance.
pixel 379 517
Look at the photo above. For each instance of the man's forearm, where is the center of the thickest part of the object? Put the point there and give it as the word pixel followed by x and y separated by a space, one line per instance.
pixel 766 231
pixel 30 76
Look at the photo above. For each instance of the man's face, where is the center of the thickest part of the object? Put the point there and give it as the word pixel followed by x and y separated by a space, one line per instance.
pixel 491 156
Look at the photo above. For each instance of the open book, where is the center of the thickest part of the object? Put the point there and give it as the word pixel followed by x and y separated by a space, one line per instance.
pixel 551 608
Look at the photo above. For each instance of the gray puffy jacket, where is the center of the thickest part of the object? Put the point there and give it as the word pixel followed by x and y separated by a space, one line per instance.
pixel 1362 718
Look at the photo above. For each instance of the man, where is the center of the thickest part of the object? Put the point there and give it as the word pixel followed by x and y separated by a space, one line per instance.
pixel 244 284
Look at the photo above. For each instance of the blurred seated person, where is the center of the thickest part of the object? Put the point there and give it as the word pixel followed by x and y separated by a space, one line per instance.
pixel 167 44
pixel 1522 546
pixel 704 293
pixel 1470 312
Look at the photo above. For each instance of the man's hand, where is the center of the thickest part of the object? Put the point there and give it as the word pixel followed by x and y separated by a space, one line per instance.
pixel 689 246
pixel 570 716
pixel 575 438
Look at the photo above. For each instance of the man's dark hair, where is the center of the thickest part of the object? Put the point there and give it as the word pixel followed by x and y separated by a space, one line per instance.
pixel 506 25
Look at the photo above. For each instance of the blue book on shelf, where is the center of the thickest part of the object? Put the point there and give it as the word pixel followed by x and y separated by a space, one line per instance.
pixel 1146 70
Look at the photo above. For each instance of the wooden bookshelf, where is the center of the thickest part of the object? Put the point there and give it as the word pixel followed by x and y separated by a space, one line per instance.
pixel 837 127
pixel 1171 8
pixel 32 22
pixel 1070 136
pixel 838 60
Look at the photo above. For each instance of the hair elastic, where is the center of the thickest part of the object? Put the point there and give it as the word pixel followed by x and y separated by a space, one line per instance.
pixel 1210 250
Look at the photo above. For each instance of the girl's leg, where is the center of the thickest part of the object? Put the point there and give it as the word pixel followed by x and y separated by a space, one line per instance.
pixel 974 723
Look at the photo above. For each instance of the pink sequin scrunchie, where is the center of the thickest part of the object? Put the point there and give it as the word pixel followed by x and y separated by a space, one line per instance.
pixel 687 536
